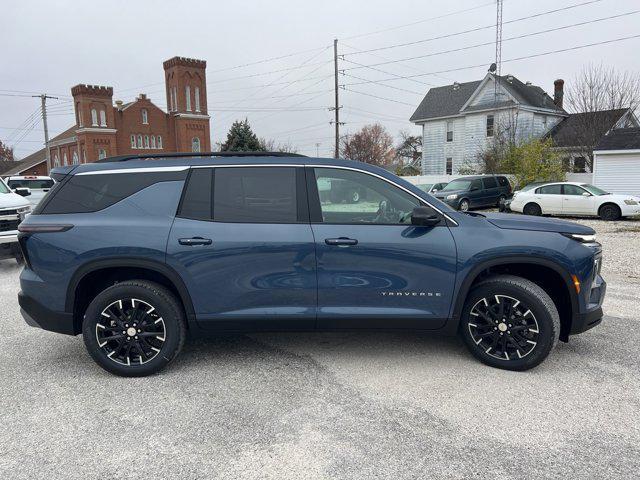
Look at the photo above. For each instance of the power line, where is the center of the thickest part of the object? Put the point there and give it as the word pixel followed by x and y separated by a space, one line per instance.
pixel 551 52
pixel 384 85
pixel 471 30
pixel 378 97
pixel 525 35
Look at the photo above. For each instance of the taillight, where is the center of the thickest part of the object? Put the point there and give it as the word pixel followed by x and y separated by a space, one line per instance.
pixel 30 228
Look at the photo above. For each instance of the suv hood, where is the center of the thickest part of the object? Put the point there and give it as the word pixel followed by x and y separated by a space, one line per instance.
pixel 540 224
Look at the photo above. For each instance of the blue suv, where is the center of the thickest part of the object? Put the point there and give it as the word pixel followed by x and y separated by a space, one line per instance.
pixel 136 252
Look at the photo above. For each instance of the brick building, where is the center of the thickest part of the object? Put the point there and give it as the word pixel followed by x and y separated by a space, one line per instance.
pixel 105 129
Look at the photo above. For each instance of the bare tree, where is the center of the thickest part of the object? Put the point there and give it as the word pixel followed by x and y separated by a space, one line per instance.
pixel 596 89
pixel 6 153
pixel 272 146
pixel 373 144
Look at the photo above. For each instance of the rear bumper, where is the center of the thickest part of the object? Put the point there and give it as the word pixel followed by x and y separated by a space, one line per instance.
pixel 37 315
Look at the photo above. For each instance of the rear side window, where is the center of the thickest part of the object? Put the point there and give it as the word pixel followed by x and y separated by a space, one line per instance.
pixel 476 184
pixel 196 201
pixel 550 190
pixel 255 195
pixel 503 181
pixel 490 182
pixel 90 193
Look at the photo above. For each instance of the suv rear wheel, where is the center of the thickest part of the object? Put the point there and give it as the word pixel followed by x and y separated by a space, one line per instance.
pixel 134 328
pixel 510 322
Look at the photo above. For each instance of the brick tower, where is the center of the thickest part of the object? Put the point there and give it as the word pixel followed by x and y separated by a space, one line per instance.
pixel 96 129
pixel 186 86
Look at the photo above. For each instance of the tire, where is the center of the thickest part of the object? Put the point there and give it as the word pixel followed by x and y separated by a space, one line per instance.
pixel 354 196
pixel 532 209
pixel 525 338
pixel 463 206
pixel 609 212
pixel 159 319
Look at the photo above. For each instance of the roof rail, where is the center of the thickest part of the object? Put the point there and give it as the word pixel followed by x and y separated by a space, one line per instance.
pixel 124 158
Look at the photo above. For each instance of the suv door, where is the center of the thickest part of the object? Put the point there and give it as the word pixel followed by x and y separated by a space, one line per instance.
pixel 549 198
pixel 476 193
pixel 491 191
pixel 374 268
pixel 243 245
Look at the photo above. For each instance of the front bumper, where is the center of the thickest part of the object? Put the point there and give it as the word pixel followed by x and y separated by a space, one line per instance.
pixel 593 315
pixel 9 247
pixel 9 237
pixel 37 315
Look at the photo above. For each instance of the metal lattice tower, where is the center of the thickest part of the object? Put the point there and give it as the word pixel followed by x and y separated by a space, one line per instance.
pixel 498 49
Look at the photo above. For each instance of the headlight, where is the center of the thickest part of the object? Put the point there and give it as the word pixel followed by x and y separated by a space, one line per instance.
pixel 581 238
pixel 631 202
pixel 26 209
pixel 452 196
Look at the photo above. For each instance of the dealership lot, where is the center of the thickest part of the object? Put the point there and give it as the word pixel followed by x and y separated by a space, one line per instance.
pixel 329 405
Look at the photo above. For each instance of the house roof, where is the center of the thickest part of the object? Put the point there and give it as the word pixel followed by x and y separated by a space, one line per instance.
pixel 26 163
pixel 69 132
pixel 448 100
pixel 621 139
pixel 568 132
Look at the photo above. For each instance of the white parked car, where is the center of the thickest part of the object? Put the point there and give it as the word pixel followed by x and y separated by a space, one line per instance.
pixel 13 208
pixel 576 199
pixel 38 185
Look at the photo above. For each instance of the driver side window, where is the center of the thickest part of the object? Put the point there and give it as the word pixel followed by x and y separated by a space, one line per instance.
pixel 349 197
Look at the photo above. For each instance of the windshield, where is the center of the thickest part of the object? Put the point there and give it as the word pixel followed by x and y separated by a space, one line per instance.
pixel 3 187
pixel 530 186
pixel 457 185
pixel 425 187
pixel 593 190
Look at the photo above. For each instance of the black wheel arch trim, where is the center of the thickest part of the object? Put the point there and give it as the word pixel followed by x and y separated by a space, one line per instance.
pixel 465 287
pixel 152 265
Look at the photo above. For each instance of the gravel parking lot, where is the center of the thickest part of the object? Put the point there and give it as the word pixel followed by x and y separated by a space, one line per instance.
pixel 330 405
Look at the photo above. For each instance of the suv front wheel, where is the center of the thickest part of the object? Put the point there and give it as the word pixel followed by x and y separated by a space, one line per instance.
pixel 134 328
pixel 510 322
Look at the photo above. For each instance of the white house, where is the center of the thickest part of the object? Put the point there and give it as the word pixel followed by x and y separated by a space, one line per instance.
pixel 458 120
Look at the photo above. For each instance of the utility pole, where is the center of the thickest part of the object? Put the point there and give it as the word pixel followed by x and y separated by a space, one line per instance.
pixel 317 149
pixel 43 99
pixel 336 107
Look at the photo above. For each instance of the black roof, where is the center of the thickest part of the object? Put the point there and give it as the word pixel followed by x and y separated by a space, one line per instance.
pixel 448 100
pixel 571 131
pixel 621 139
pixel 124 158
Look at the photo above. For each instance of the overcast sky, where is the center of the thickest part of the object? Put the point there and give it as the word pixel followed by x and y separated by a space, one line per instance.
pixel 51 46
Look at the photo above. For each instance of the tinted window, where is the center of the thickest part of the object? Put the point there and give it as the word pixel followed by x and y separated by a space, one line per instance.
pixel 90 193
pixel 35 184
pixel 457 185
pixel 550 190
pixel 196 200
pixel 503 181
pixel 358 198
pixel 573 190
pixel 476 185
pixel 255 195
pixel 490 182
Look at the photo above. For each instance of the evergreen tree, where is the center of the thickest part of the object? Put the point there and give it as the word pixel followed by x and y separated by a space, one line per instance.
pixel 241 138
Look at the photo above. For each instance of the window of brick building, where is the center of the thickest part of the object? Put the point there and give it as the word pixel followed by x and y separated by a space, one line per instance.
pixel 195 144
pixel 175 99
pixel 146 141
pixel 56 161
pixel 94 117
pixel 139 141
pixel 102 153
pixel 145 116
pixel 153 141
pixel 75 160
pixel 133 141
pixel 103 118
pixel 196 93
pixel 187 96
pixel 65 159
pixel 159 141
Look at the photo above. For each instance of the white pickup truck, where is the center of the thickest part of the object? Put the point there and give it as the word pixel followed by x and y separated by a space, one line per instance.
pixel 13 208
pixel 38 186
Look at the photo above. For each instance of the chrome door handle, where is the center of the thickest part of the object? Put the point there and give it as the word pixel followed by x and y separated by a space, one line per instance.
pixel 194 241
pixel 341 242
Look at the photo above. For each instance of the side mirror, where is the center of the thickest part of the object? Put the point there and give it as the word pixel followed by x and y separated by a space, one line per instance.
pixel 435 190
pixel 424 217
pixel 24 192
pixel 586 194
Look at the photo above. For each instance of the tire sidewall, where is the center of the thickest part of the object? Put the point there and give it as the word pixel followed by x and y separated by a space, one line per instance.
pixel 463 201
pixel 173 321
pixel 610 213
pixel 547 337
pixel 532 205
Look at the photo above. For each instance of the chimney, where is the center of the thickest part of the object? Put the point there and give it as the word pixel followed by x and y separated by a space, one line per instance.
pixel 119 104
pixel 456 85
pixel 558 92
